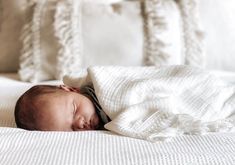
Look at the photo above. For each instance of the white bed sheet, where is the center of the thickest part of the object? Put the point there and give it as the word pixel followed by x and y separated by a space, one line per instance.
pixel 19 147
pixel 102 147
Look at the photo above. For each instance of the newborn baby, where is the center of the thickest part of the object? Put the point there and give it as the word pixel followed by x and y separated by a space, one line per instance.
pixel 59 108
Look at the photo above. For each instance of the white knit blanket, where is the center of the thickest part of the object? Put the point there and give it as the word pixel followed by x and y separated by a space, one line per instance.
pixel 157 103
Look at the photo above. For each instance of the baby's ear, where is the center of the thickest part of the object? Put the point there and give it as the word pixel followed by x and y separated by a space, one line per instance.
pixel 69 89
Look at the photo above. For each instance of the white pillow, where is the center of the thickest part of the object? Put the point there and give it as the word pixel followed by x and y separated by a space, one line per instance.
pixel 64 36
pixel 164 44
pixel 44 42
pixel 112 34
pixel 123 34
pixel 218 22
pixel 12 17
pixel 193 36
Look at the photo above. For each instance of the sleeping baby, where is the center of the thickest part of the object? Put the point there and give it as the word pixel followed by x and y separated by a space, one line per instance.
pixel 59 108
pixel 142 102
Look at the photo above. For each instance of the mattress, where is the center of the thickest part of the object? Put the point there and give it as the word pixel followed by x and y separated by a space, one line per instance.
pixel 19 146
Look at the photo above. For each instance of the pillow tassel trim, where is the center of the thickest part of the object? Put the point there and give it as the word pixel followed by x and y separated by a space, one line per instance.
pixel 67 27
pixel 192 33
pixel 30 53
pixel 154 24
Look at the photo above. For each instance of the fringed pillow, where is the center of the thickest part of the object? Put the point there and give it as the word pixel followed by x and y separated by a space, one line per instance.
pixel 193 35
pixel 132 33
pixel 62 37
pixel 163 44
pixel 48 37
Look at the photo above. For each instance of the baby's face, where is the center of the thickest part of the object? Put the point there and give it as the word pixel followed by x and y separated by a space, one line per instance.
pixel 66 111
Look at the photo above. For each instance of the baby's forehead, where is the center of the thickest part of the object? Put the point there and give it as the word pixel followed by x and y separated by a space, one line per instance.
pixel 61 95
pixel 48 97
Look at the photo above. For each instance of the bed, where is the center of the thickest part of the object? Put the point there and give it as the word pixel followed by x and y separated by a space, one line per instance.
pixel 41 41
pixel 19 146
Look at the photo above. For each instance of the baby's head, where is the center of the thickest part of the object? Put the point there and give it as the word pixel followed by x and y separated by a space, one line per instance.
pixel 55 108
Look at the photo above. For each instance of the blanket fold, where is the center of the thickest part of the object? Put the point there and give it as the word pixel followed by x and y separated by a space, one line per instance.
pixel 157 103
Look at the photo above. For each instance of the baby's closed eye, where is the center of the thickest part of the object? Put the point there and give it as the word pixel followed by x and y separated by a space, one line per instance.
pixel 74 109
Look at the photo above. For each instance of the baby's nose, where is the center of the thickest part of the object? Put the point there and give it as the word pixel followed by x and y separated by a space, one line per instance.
pixel 79 123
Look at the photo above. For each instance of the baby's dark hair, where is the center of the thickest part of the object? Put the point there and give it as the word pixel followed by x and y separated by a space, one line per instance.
pixel 26 109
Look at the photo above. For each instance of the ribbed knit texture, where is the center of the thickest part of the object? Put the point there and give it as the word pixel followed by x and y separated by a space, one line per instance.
pixel 19 147
pixel 158 103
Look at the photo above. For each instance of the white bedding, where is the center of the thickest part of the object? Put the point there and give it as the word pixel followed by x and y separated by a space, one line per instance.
pixel 19 147
pixel 103 148
pixel 155 103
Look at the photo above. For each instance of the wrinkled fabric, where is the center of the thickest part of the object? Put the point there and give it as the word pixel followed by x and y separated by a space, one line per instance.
pixel 157 103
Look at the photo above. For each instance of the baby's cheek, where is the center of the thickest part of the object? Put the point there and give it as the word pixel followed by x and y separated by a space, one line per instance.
pixel 97 122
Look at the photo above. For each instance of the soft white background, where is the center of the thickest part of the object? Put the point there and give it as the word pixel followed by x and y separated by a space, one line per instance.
pixel 218 21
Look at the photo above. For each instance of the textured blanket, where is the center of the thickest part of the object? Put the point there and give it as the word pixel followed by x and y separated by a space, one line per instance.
pixel 157 103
